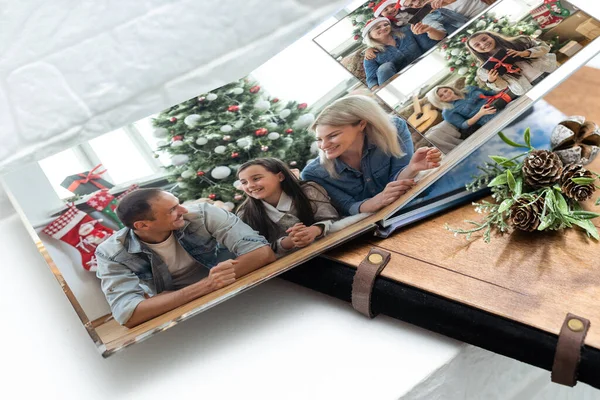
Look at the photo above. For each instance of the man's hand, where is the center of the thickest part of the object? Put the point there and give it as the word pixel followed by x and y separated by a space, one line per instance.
pixel 420 28
pixel 221 275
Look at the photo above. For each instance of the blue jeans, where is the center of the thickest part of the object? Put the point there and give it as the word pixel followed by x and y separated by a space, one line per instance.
pixel 385 72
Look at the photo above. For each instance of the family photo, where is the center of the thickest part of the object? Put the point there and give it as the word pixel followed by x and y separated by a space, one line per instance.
pixel 378 40
pixel 476 74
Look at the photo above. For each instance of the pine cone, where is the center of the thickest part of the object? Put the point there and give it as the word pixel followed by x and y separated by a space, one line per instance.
pixel 573 190
pixel 541 168
pixel 525 214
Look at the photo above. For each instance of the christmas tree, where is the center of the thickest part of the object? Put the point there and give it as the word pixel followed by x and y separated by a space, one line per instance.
pixel 210 136
pixel 462 61
pixel 360 17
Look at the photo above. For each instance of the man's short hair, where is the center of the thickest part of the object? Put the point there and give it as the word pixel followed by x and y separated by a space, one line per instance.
pixel 135 206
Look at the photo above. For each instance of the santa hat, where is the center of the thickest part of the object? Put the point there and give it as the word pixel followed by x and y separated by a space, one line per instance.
pixel 379 7
pixel 371 23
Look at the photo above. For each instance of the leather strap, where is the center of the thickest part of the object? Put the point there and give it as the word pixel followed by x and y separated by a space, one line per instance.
pixel 364 279
pixel 568 350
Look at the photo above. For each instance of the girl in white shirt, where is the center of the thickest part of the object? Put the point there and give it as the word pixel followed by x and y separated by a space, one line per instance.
pixel 290 213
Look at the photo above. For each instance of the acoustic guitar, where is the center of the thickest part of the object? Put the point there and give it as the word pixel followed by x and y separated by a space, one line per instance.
pixel 423 117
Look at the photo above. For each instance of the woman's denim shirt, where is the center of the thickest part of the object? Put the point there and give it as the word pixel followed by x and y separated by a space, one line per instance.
pixel 377 169
pixel 464 109
pixel 129 270
pixel 407 49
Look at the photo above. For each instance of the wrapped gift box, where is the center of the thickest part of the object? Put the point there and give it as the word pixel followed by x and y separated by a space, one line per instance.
pixel 570 48
pixel 502 63
pixel 500 99
pixel 86 182
pixel 590 28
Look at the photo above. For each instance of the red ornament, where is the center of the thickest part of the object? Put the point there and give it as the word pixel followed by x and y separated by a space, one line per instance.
pixel 212 196
pixel 449 57
pixel 275 100
pixel 371 5
pixel 255 89
pixel 238 197
pixel 201 99
pixel 356 37
pixel 233 108
pixel 302 106
pixel 520 32
pixel 444 46
pixel 235 155
pixel 177 138
pixel 473 64
pixel 261 132
pixel 289 131
pixel 495 20
pixel 200 173
pixel 463 39
pixel 452 69
pixel 173 119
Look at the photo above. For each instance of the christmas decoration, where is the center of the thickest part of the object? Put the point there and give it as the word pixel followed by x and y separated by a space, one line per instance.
pixel 302 106
pixel 82 232
pixel 87 182
pixel 177 143
pixel 107 203
pixel 576 140
pixel 201 99
pixel 461 60
pixel 192 120
pixel 230 132
pixel 550 14
pixel 537 193
pixel 304 121
pixel 212 196
pixel 238 197
pixel 160 133
pixel 289 131
pixel 575 188
pixel 541 168
pixel 293 163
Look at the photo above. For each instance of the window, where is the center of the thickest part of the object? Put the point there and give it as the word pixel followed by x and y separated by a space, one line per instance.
pixel 61 165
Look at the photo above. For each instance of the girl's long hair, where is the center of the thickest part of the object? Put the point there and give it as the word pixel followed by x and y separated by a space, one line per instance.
pixel 518 43
pixel 350 110
pixel 252 211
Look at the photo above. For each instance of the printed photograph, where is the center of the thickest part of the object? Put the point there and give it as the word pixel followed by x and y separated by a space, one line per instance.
pixel 375 41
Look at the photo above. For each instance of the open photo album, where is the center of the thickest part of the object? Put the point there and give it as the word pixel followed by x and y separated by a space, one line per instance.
pixel 370 122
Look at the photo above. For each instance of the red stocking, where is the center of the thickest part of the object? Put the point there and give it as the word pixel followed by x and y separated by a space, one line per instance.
pixel 80 231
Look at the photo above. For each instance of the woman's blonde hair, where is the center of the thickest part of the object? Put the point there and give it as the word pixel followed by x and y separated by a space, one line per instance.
pixel 370 42
pixel 350 110
pixel 434 98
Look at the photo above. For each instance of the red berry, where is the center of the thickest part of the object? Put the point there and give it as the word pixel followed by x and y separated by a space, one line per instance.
pixel 177 138
pixel 233 108
pixel 255 89
pixel 212 196
pixel 289 131
pixel 235 155
pixel 261 132
pixel 200 173
pixel 173 119
pixel 302 106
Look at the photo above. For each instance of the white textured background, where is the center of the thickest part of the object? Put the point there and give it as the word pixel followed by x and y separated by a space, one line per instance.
pixel 74 69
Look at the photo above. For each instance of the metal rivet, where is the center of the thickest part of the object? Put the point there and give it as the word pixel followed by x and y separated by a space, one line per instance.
pixel 375 258
pixel 575 325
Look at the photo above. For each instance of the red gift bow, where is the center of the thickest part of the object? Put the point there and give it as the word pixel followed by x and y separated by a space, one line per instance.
pixel 90 177
pixel 500 63
pixel 500 95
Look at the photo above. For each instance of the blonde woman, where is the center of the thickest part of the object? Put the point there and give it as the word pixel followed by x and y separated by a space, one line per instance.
pixel 366 159
pixel 463 109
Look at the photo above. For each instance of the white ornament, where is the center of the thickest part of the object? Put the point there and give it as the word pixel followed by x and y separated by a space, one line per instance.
pixel 458 61
pixel 161 143
pixel 463 70
pixel 304 121
pixel 160 133
pixel 211 97
pixel 238 185
pixel 220 149
pixel 262 105
pixel 237 90
pixel 455 52
pixel 226 128
pixel 220 172
pixel 480 24
pixel 537 32
pixel 201 141
pixel 182 185
pixel 271 125
pixel 239 124
pixel 177 143
pixel 192 120
pixel 188 174
pixel 314 148
pixel 360 18
pixel 243 142
pixel 273 136
pixel 179 159
pixel 284 113
pixel 229 206
pixel 496 29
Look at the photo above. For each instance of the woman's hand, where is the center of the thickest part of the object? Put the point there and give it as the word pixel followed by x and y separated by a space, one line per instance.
pixel 492 76
pixel 435 4
pixel 371 53
pixel 486 110
pixel 516 53
pixel 393 191
pixel 420 28
pixel 425 158
pixel 302 235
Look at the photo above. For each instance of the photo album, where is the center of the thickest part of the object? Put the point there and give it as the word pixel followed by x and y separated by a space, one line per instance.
pixel 377 118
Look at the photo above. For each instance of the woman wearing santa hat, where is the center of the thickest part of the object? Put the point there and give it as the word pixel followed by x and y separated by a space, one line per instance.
pixel 395 49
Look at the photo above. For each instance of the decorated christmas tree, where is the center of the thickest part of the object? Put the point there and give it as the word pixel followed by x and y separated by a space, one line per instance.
pixel 360 17
pixel 210 136
pixel 462 61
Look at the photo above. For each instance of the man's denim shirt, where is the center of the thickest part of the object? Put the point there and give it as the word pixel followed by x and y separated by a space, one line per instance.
pixel 129 270
pixel 377 169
